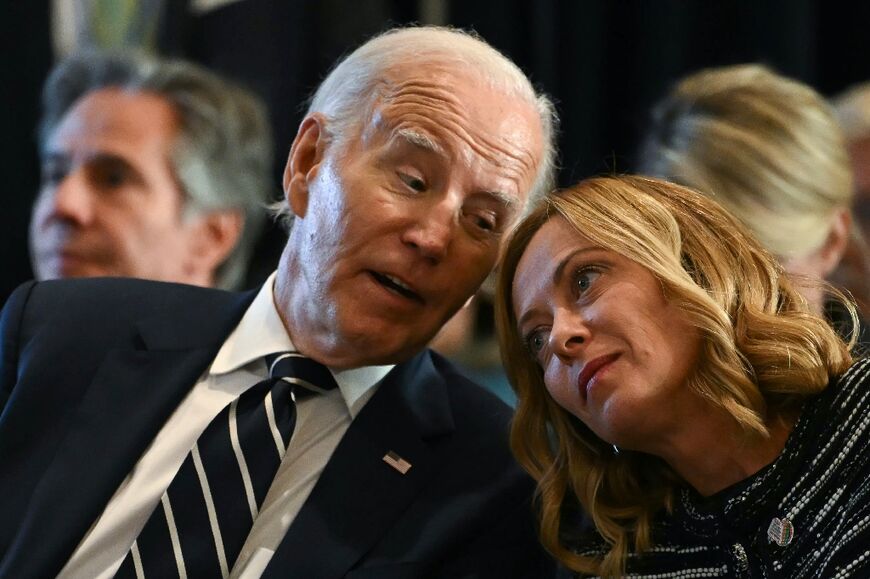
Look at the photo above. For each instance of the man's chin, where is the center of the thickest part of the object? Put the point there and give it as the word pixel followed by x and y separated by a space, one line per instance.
pixel 366 347
pixel 66 268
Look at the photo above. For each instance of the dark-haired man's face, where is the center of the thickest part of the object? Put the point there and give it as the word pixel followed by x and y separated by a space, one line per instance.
pixel 110 204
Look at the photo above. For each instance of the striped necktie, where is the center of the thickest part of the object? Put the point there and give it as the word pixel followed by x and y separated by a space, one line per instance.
pixel 205 515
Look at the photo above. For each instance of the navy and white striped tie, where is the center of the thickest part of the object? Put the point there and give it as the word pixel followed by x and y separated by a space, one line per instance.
pixel 205 515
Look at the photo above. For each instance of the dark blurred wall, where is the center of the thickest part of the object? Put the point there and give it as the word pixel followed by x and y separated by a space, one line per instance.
pixel 604 61
pixel 24 44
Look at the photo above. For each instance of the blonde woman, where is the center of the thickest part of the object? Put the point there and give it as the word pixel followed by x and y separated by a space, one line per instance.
pixel 852 108
pixel 673 383
pixel 771 151
pixel 853 111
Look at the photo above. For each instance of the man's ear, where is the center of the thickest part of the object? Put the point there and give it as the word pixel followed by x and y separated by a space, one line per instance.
pixel 213 239
pixel 306 154
pixel 831 252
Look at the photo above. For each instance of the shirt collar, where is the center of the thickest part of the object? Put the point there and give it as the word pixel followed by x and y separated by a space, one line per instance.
pixel 261 332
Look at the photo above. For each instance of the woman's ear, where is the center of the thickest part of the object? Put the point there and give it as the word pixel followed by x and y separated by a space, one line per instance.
pixel 831 252
pixel 821 262
pixel 306 155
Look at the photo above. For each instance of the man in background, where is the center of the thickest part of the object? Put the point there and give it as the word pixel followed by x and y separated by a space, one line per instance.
pixel 151 169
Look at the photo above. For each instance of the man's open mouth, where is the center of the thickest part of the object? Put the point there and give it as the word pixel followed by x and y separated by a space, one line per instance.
pixel 396 285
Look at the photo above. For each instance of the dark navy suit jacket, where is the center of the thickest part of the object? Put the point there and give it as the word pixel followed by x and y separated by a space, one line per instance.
pixel 91 369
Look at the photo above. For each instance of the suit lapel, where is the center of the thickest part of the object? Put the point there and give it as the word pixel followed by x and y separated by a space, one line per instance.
pixel 129 399
pixel 359 496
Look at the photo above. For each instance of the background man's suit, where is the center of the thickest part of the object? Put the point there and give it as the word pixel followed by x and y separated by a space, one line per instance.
pixel 117 356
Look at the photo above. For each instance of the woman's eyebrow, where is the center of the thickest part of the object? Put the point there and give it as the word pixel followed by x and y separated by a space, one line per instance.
pixel 560 270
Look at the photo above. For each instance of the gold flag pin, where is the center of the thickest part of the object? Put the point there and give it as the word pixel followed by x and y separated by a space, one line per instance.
pixel 397 462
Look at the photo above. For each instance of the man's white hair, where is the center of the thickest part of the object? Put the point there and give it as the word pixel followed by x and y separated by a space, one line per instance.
pixel 346 96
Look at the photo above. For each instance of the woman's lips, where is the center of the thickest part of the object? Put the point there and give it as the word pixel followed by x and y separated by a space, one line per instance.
pixel 590 370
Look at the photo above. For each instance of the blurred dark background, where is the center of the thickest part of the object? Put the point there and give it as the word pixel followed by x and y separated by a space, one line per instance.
pixel 603 61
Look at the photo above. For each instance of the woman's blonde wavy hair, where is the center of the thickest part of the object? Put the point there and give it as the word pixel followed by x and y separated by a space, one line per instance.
pixel 763 351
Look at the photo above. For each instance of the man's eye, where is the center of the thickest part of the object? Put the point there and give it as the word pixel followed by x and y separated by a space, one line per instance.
pixel 110 176
pixel 485 221
pixel 414 183
pixel 109 173
pixel 52 176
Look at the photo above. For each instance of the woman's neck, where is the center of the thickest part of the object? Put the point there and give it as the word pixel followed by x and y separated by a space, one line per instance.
pixel 719 454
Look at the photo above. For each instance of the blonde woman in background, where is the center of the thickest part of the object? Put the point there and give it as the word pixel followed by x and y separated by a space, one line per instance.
pixel 673 382
pixel 769 149
pixel 853 111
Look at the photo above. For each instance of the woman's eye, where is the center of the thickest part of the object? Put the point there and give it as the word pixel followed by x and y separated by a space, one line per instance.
pixel 414 183
pixel 535 342
pixel 584 278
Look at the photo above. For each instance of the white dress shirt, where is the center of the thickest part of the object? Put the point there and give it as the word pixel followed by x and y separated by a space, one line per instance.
pixel 321 422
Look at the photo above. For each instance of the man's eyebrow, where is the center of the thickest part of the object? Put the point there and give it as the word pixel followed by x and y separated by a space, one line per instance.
pixel 103 157
pixel 508 200
pixel 87 158
pixel 53 157
pixel 422 140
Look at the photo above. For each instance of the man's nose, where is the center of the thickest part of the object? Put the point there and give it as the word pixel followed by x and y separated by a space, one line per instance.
pixel 569 335
pixel 433 230
pixel 72 198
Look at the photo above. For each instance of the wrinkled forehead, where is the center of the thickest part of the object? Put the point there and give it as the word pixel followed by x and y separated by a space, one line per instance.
pixel 447 108
pixel 459 88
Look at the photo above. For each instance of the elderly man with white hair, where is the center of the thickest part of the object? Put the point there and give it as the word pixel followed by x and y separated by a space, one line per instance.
pixel 303 430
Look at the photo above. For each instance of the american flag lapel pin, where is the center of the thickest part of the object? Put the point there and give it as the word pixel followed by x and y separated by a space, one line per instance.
pixel 397 462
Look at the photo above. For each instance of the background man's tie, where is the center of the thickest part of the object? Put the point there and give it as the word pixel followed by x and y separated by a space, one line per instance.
pixel 205 515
